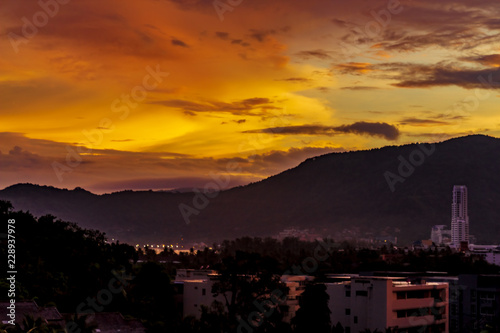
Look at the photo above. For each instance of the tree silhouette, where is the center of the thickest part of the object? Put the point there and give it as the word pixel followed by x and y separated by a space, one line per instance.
pixel 5 207
pixel 314 314
pixel 247 285
pixel 338 328
pixel 151 297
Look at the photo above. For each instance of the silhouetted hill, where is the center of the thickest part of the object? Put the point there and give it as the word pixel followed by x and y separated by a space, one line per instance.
pixel 327 193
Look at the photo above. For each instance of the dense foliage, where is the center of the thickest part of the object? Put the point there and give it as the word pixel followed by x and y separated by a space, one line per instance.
pixel 63 264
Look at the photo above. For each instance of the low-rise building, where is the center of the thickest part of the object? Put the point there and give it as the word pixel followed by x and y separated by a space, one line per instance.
pixel 182 275
pixel 454 299
pixel 102 322
pixel 490 253
pixel 378 303
pixel 22 309
pixel 109 322
pixel 195 289
pixel 198 293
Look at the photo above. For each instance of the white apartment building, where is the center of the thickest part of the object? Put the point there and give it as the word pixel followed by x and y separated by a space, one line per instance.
pixel 490 253
pixel 196 290
pixel 198 293
pixel 182 275
pixel 388 302
pixel 459 216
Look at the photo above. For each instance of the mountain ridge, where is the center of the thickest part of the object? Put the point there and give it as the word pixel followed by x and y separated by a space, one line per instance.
pixel 327 193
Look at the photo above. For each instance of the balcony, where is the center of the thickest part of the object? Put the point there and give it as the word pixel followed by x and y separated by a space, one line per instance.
pixel 440 319
pixel 412 303
pixel 486 302
pixel 413 321
pixel 439 303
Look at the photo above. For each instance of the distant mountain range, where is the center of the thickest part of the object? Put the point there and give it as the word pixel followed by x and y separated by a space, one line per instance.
pixel 398 190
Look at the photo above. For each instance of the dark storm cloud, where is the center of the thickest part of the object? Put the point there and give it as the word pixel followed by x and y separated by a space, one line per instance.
pixel 441 74
pixel 384 130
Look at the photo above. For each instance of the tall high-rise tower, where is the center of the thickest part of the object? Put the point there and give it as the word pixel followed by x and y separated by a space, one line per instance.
pixel 459 216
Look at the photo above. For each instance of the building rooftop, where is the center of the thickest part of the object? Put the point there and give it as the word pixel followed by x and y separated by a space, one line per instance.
pixel 112 322
pixel 49 315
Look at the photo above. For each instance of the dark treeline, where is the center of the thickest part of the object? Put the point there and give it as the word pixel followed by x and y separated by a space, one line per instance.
pixel 269 254
pixel 61 264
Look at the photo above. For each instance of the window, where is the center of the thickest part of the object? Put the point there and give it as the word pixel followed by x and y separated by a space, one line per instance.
pixel 401 313
pixel 415 294
pixel 487 311
pixel 401 295
pixel 438 295
pixel 347 312
pixel 453 310
pixel 347 329
pixel 473 309
pixel 361 293
pixel 355 319
pixel 487 295
pixel 203 292
pixel 473 295
pixel 347 293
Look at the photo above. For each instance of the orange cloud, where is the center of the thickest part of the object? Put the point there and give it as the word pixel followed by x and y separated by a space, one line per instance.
pixel 354 68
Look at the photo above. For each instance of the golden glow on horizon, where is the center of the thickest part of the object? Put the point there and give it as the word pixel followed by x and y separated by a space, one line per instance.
pixel 231 83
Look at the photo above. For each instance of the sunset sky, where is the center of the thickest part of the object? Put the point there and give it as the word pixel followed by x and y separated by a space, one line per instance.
pixel 157 94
